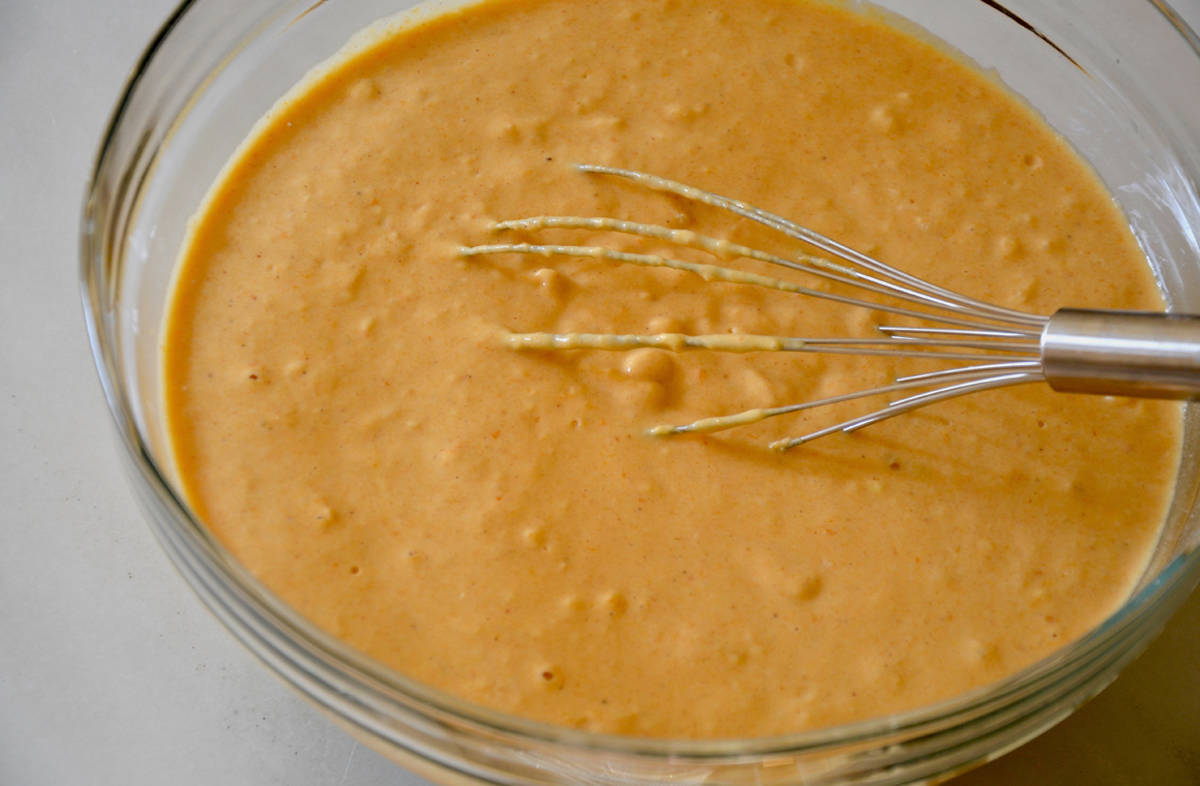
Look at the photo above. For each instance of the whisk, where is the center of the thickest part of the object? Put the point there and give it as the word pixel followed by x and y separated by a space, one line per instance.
pixel 1128 353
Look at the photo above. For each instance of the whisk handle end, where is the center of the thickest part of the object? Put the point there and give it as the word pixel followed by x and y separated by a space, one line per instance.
pixel 1123 353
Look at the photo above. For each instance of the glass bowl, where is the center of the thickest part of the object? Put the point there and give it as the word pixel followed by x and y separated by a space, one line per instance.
pixel 1115 78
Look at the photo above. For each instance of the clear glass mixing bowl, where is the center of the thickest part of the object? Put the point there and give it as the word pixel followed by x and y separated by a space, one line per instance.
pixel 1115 77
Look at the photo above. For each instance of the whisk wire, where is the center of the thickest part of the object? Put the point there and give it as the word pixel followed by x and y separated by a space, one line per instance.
pixel 1001 345
pixel 813 238
pixel 716 273
pixel 904 405
pixel 899 331
pixel 975 371
pixel 805 263
pixel 749 342
pixel 962 381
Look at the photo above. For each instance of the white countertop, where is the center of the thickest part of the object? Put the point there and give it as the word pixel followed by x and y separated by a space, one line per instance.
pixel 111 671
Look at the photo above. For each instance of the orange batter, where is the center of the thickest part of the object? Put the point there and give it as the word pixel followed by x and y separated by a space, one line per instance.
pixel 348 421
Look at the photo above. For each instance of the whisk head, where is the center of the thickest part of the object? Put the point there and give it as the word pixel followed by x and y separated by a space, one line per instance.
pixel 991 346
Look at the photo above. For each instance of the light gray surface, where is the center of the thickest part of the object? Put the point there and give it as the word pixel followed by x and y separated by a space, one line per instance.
pixel 111 672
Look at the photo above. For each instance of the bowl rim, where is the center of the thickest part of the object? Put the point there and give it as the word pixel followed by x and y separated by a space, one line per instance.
pixel 399 692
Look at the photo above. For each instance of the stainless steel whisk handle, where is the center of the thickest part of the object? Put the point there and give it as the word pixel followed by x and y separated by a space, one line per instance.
pixel 1123 353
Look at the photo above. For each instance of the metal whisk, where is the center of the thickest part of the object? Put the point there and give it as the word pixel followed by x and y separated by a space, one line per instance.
pixel 1143 354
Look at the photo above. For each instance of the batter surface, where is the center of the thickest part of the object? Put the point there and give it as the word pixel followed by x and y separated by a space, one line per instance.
pixel 348 421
